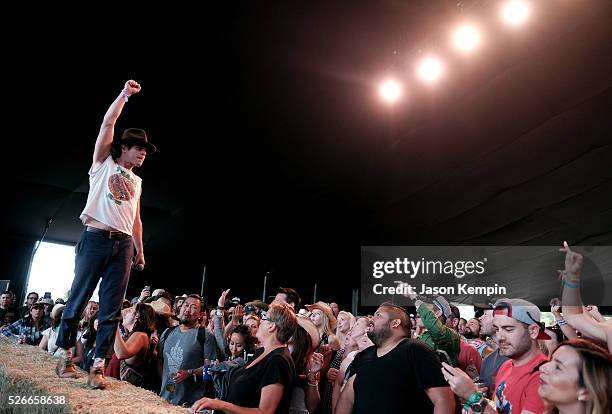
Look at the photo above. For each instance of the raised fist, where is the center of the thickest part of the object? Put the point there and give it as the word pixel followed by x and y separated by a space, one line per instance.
pixel 131 87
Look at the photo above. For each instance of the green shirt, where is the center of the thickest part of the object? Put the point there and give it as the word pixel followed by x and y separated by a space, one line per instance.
pixel 438 335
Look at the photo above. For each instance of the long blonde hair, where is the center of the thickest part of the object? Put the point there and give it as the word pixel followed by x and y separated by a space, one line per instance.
pixel 342 335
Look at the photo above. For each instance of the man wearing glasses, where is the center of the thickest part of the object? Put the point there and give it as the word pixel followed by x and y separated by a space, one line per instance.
pixel 517 326
pixel 398 374
pixel 31 299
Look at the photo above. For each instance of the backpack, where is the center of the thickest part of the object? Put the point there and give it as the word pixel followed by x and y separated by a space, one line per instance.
pixel 201 336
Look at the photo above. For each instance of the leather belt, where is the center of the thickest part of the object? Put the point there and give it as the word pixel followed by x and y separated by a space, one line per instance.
pixel 114 235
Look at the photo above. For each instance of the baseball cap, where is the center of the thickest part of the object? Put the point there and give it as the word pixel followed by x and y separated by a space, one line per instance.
pixel 443 305
pixel 522 311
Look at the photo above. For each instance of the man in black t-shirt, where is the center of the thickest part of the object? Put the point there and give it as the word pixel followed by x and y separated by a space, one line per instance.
pixel 8 315
pixel 396 375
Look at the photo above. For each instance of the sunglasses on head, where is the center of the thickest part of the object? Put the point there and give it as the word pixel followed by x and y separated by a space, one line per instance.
pixel 505 309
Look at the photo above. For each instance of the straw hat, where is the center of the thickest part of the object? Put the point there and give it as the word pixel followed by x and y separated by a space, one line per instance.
pixel 161 308
pixel 326 309
pixel 309 326
pixel 56 309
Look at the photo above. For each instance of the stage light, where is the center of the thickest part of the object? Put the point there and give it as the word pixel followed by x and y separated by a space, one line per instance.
pixel 515 12
pixel 390 90
pixel 430 69
pixel 466 38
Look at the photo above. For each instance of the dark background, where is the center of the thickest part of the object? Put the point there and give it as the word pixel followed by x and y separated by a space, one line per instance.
pixel 276 154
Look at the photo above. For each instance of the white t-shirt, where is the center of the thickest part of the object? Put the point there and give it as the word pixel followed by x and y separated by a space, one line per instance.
pixel 113 196
pixel 51 335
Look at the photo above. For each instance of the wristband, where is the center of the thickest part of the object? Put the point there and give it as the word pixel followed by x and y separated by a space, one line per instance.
pixel 561 322
pixel 475 397
pixel 472 400
pixel 570 285
pixel 125 95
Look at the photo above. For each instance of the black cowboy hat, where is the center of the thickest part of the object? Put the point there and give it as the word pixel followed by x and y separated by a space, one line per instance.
pixel 138 137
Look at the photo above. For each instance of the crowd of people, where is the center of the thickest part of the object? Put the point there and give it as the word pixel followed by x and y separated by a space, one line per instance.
pixel 282 357
pixel 285 357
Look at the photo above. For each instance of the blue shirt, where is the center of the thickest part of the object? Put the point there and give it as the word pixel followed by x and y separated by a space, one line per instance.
pixel 27 328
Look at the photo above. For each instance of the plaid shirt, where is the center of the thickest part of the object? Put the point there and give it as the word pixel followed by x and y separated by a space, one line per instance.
pixel 27 328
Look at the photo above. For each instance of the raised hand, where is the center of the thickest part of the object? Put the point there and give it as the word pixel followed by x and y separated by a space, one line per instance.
pixel 407 292
pixel 131 87
pixel 221 301
pixel 573 263
pixel 237 313
pixel 144 294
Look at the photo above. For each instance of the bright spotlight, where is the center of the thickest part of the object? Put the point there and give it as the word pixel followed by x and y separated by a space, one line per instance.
pixel 430 69
pixel 515 12
pixel 466 38
pixel 390 90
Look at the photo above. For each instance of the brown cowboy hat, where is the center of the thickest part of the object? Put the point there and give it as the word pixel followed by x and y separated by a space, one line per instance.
pixel 138 137
pixel 326 309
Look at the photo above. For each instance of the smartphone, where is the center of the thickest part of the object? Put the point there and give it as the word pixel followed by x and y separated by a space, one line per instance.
pixel 447 370
pixel 47 295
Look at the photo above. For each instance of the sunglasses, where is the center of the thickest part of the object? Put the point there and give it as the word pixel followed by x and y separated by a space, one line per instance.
pixel 264 316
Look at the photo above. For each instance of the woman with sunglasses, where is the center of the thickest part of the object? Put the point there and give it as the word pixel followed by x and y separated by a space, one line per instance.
pixel 267 380
pixel 578 379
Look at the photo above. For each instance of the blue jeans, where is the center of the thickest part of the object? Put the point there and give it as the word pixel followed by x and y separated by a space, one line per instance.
pixel 97 257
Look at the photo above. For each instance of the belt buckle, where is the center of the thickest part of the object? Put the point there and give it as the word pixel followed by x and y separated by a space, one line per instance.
pixel 112 233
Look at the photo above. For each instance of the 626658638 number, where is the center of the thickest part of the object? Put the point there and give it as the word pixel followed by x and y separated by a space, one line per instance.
pixel 36 399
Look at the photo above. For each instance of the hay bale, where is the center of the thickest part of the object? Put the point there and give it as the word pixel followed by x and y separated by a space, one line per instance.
pixel 28 371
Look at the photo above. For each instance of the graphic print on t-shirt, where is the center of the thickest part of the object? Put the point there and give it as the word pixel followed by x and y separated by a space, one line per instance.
pixel 121 186
pixel 503 405
pixel 175 358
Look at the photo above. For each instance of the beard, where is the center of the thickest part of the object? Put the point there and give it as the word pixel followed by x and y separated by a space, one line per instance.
pixel 185 321
pixel 380 335
pixel 467 334
pixel 520 349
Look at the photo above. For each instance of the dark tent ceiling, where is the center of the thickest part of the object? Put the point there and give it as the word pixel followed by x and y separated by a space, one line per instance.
pixel 277 156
